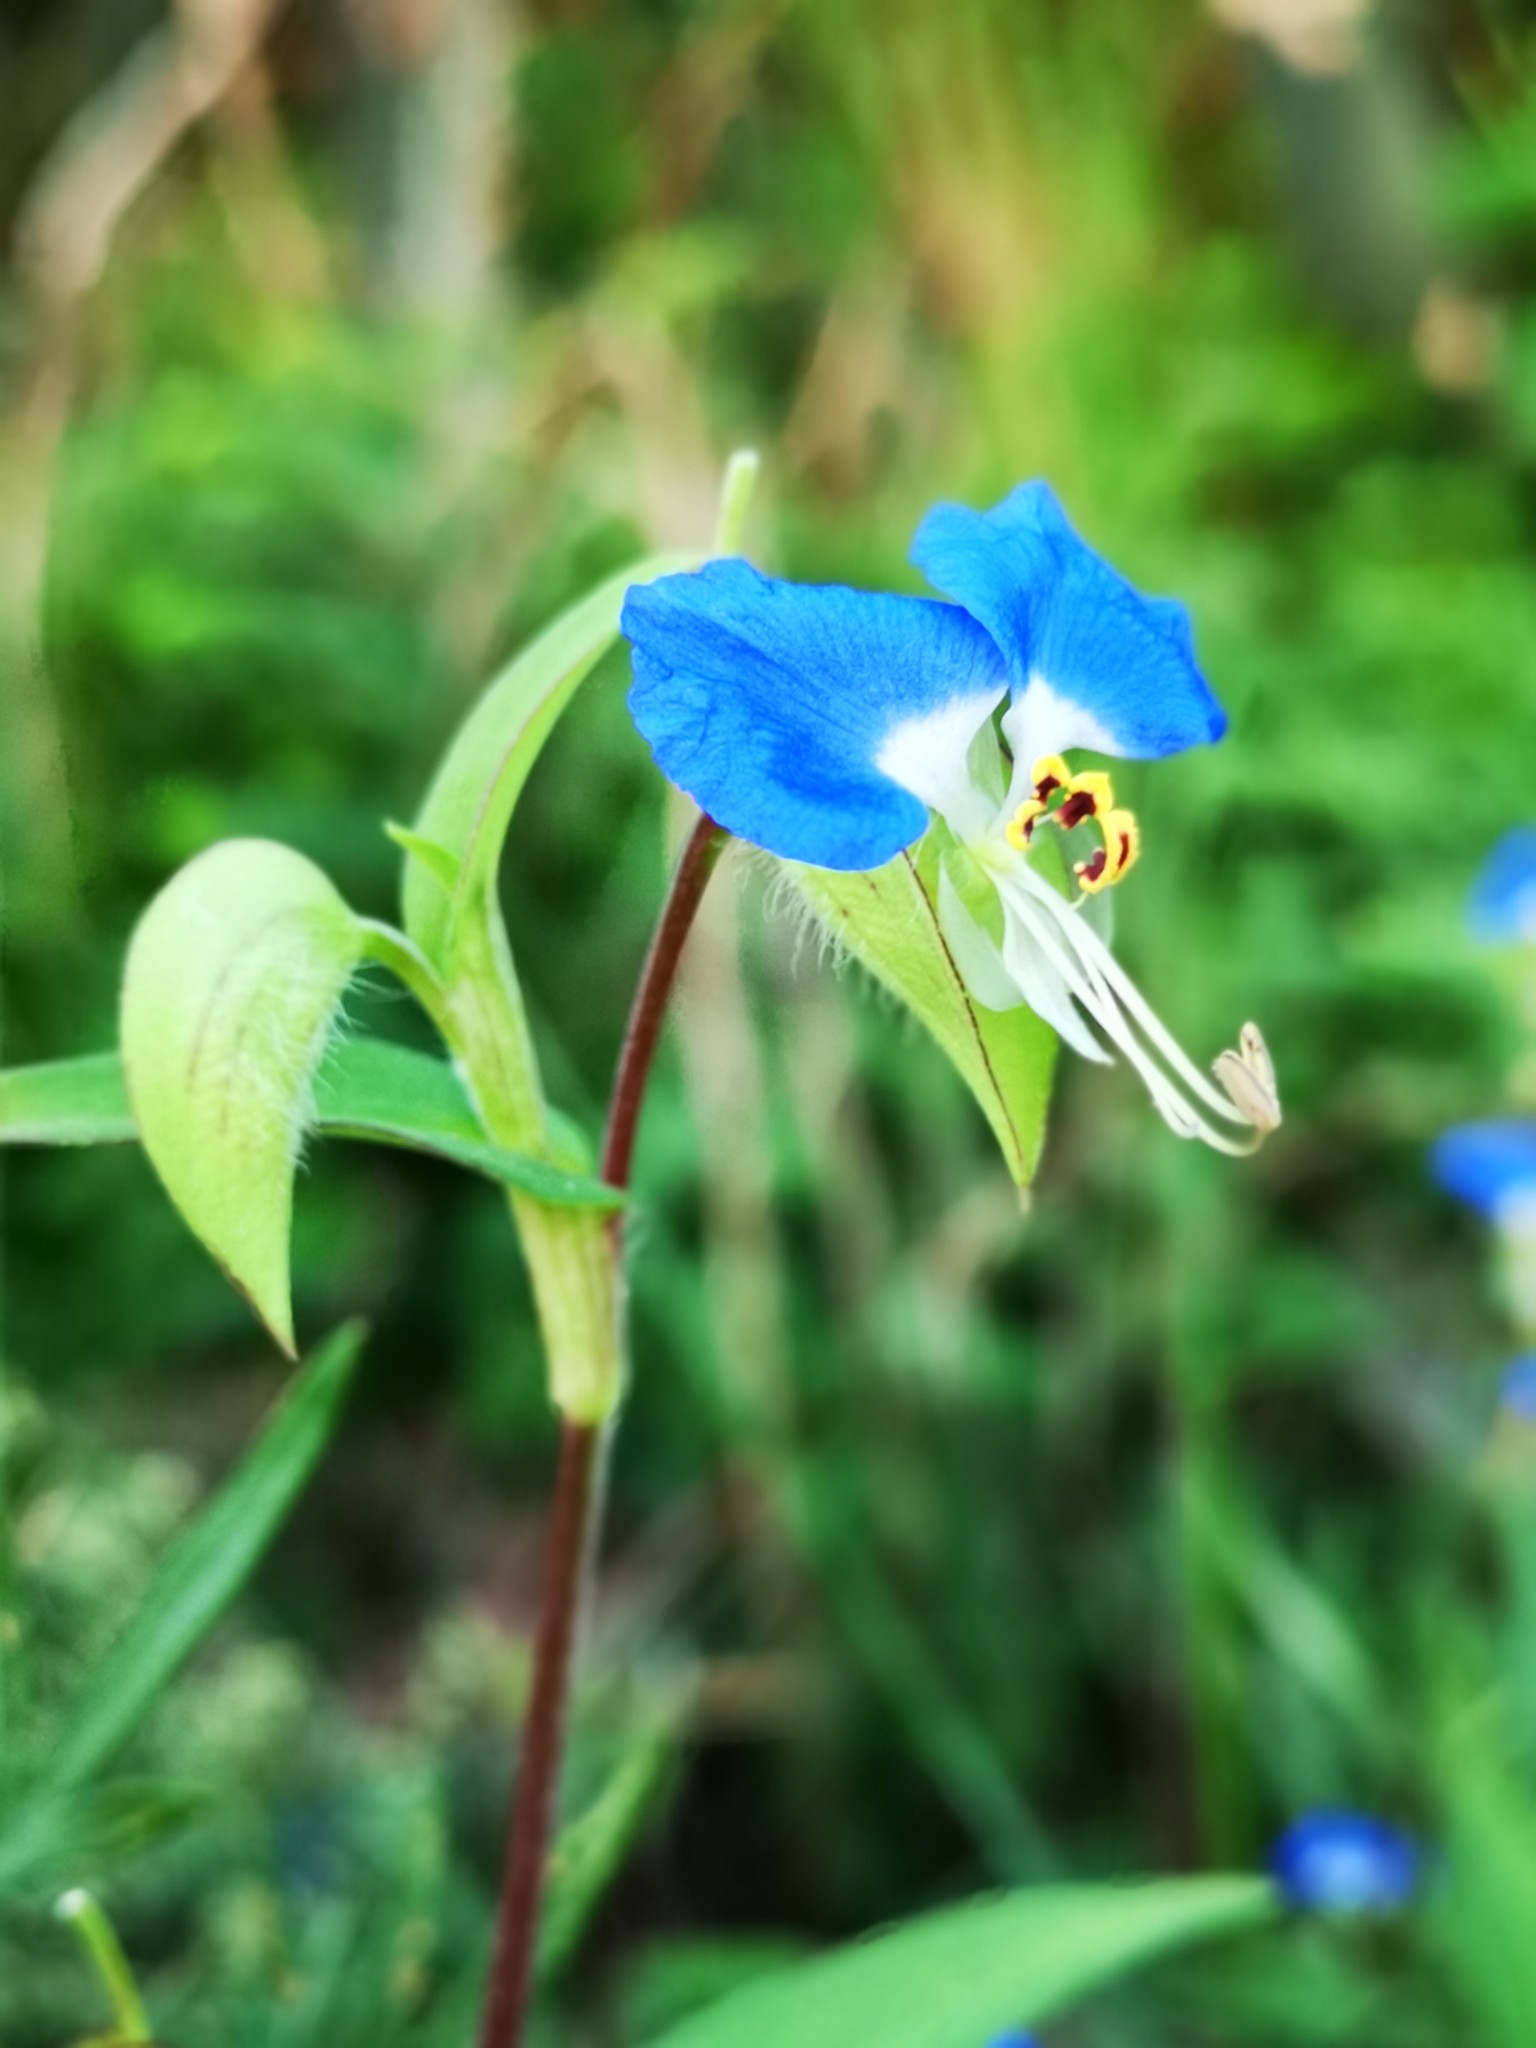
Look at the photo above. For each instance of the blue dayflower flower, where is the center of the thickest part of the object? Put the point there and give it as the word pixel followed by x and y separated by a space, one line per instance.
pixel 1342 1862
pixel 1517 1388
pixel 1015 2040
pixel 776 704
pixel 1095 664
pixel 829 726
pixel 1502 909
pixel 1491 1167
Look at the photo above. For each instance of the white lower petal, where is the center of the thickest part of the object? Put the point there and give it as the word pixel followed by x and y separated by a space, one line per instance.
pixel 977 957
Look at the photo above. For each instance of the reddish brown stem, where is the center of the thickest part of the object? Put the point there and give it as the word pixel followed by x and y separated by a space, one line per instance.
pixel 699 857
pixel 538 1769
pixel 578 1495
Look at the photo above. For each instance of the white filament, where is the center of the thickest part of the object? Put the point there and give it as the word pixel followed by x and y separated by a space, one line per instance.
pixel 1048 933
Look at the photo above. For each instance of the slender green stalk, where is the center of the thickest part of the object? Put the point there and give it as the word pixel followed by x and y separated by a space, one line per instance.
pixel 13 1645
pixel 1208 1521
pixel 130 2022
pixel 735 500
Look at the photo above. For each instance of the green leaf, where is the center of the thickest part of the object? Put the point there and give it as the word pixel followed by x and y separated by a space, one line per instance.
pixel 208 1565
pixel 674 1976
pixel 233 980
pixel 67 1102
pixel 50 1840
pixel 191 1589
pixel 888 920
pixel 590 1850
pixel 365 1088
pixel 439 863
pixel 470 803
pixel 957 1978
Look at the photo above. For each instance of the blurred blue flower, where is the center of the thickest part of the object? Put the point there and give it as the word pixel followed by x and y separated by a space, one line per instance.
pixel 1490 1166
pixel 1340 1862
pixel 1517 1389
pixel 830 725
pixel 1016 2040
pixel 1503 904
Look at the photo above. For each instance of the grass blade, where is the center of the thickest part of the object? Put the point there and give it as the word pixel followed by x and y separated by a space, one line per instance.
pixel 208 1566
pixel 955 1978
pixel 192 1588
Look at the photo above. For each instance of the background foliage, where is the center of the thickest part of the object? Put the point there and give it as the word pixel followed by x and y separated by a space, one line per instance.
pixel 951 1546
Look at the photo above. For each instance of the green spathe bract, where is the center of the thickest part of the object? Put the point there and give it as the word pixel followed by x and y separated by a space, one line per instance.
pixel 888 920
pixel 956 1978
pixel 230 994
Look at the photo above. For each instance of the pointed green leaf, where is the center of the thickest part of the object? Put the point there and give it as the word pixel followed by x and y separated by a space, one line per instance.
pixel 470 803
pixel 193 1586
pixel 209 1564
pixel 67 1102
pixel 590 1850
pixel 439 863
pixel 367 1089
pixel 888 920
pixel 46 1841
pixel 231 990
pixel 957 1978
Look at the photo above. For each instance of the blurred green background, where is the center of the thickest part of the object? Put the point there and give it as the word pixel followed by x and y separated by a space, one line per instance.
pixel 343 343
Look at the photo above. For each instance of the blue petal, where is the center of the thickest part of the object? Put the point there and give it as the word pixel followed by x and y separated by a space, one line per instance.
pixel 1487 1165
pixel 1503 906
pixel 769 702
pixel 1517 1389
pixel 1119 668
pixel 1345 1863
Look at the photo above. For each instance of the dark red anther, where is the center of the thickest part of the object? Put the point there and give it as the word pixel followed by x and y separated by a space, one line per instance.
pixel 1089 871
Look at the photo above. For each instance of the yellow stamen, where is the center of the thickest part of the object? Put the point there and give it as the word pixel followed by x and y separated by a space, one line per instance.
pixel 1094 784
pixel 1068 800
pixel 1122 841
pixel 1022 824
pixel 1093 875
